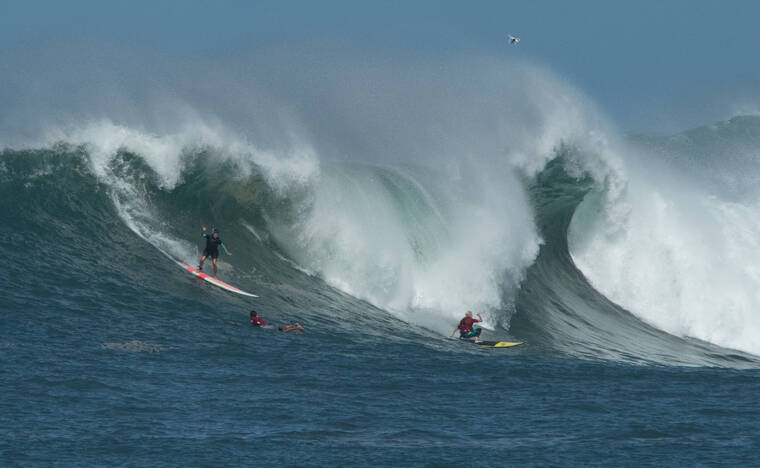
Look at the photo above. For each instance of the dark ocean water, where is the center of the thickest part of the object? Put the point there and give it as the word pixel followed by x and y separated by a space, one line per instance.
pixel 112 356
pixel 206 393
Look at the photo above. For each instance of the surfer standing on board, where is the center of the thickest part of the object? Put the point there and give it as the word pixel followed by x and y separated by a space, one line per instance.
pixel 465 327
pixel 212 248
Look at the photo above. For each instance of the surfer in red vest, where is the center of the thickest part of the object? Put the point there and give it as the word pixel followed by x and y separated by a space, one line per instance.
pixel 257 321
pixel 466 329
pixel 212 248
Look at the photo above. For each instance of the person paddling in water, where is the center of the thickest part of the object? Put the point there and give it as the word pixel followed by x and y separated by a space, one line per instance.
pixel 212 248
pixel 466 329
pixel 257 321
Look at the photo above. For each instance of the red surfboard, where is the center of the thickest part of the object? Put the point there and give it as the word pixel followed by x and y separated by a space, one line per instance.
pixel 214 281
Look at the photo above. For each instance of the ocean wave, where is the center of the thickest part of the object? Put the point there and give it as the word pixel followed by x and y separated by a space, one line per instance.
pixel 441 206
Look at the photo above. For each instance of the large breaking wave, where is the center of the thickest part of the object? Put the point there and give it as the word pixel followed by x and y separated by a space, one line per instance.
pixel 497 189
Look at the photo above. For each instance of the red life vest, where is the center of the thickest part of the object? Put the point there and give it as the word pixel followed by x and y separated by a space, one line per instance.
pixel 465 325
pixel 257 322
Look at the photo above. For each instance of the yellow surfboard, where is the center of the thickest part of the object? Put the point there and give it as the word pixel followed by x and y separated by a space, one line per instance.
pixel 499 344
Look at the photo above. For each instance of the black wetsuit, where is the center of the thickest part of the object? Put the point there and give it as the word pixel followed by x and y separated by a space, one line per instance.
pixel 212 246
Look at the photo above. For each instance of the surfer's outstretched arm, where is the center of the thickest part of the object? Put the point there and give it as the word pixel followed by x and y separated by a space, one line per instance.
pixel 225 249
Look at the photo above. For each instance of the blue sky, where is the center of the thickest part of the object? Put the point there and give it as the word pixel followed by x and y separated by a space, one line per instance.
pixel 654 66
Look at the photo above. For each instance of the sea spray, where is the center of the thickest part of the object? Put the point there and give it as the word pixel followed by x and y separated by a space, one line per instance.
pixel 680 248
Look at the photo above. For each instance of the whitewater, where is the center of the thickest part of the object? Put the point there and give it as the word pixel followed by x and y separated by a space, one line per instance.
pixel 375 208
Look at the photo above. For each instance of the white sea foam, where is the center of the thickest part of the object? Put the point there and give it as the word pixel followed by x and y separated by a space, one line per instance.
pixel 429 244
pixel 394 246
pixel 166 153
pixel 166 156
pixel 677 257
